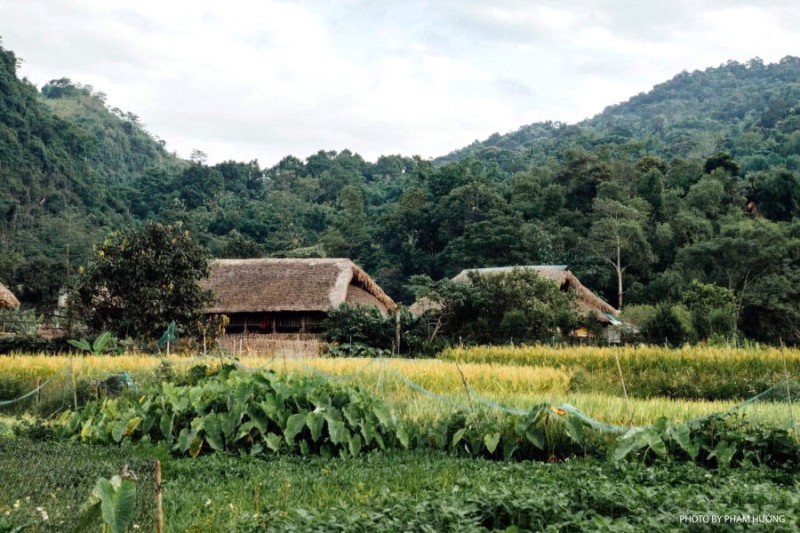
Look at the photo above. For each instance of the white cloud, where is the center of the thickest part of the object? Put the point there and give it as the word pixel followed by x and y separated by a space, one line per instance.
pixel 244 80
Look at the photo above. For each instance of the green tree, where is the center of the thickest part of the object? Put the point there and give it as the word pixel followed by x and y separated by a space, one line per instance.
pixel 495 308
pixel 141 280
pixel 713 309
pixel 670 325
pixel 617 236
pixel 777 194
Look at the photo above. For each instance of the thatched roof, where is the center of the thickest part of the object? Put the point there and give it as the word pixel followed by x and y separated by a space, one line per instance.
pixel 272 285
pixel 588 302
pixel 7 299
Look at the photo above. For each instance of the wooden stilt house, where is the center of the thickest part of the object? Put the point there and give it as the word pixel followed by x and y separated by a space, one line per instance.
pixel 288 295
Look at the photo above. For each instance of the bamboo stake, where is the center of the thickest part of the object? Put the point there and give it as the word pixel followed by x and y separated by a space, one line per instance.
pixel 464 382
pixel 159 507
pixel 74 386
pixel 788 391
pixel 624 389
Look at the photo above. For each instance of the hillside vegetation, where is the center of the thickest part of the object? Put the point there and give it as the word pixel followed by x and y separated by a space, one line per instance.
pixel 695 180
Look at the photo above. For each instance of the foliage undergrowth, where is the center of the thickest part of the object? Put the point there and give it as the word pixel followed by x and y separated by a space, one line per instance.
pixel 54 479
pixel 260 413
pixel 392 491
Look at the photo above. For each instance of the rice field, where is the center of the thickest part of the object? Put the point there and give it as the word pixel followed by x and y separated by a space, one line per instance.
pixel 419 388
pixel 696 373
pixel 640 358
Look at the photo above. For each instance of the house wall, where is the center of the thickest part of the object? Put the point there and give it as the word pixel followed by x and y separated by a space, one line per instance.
pixel 278 322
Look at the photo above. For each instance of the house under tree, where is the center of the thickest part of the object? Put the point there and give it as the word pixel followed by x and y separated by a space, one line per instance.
pixel 589 304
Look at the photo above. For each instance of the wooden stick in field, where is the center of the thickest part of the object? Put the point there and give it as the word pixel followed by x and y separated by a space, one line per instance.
pixel 464 382
pixel 788 391
pixel 624 389
pixel 159 508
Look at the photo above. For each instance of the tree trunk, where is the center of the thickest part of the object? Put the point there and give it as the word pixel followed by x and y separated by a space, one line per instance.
pixel 619 278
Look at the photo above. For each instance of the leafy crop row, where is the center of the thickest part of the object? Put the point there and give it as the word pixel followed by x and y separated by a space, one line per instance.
pixel 261 412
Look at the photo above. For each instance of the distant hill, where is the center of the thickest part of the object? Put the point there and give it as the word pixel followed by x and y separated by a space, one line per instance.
pixel 745 109
pixel 62 154
pixel 122 148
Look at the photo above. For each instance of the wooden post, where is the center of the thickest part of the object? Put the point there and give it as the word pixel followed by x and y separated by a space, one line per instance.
pixel 397 330
pixel 38 390
pixel 788 391
pixel 74 386
pixel 624 389
pixel 159 507
pixel 466 388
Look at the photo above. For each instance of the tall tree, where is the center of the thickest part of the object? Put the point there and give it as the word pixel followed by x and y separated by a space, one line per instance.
pixel 618 237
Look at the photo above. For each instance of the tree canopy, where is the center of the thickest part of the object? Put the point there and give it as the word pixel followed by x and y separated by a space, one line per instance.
pixel 142 280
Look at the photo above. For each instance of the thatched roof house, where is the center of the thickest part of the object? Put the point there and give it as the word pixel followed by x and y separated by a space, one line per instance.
pixel 279 295
pixel 588 302
pixel 7 298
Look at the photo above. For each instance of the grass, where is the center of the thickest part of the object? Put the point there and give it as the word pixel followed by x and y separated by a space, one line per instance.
pixel 403 491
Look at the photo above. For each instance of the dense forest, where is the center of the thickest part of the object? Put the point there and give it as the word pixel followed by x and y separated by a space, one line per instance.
pixel 698 179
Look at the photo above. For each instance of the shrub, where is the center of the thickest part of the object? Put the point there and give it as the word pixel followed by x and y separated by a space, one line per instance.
pixel 670 325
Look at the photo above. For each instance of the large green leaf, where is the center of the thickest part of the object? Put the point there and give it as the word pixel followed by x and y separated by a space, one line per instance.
pixel 213 432
pixel 82 344
pixel 457 437
pixel 273 441
pixel 118 502
pixel 355 444
pixel 402 435
pixel 655 442
pixel 294 425
pixel 336 430
pixel 723 452
pixel 165 425
pixel 535 436
pixel 102 342
pixel 383 415
pixel 628 443
pixel 491 440
pixel 575 429
pixel 683 436
pixel 314 421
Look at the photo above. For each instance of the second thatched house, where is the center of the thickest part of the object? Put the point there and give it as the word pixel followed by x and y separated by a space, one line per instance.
pixel 288 295
pixel 588 302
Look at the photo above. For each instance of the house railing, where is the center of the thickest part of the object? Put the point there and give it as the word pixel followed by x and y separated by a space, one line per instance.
pixel 268 345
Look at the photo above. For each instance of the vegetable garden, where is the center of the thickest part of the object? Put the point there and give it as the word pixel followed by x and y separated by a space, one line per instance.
pixel 354 444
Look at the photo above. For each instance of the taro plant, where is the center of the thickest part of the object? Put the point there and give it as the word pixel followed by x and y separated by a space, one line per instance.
pixel 103 343
pixel 112 500
pixel 714 441
pixel 239 411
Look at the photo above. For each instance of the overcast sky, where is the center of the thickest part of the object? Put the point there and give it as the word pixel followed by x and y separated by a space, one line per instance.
pixel 261 80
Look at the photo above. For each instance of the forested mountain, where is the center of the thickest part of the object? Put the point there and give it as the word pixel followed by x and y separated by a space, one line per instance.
pixel 63 160
pixel 697 179
pixel 748 110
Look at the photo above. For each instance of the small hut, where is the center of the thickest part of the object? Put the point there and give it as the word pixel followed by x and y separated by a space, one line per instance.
pixel 588 302
pixel 7 298
pixel 288 295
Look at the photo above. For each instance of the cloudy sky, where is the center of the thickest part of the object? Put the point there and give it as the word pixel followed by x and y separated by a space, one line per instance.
pixel 261 80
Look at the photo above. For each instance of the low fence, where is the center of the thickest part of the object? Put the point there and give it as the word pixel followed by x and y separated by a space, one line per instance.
pixel 283 344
